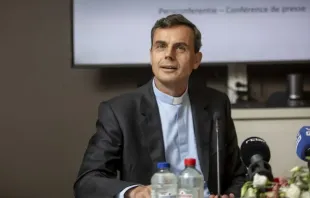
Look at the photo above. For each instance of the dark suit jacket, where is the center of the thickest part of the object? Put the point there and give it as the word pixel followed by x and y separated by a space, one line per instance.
pixel 129 139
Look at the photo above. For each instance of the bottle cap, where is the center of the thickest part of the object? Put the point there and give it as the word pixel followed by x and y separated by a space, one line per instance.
pixel 190 162
pixel 161 165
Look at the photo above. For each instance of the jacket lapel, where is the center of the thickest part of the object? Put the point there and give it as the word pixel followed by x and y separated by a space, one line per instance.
pixel 151 126
pixel 202 127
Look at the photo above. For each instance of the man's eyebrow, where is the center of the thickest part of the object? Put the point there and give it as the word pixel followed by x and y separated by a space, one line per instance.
pixel 181 43
pixel 175 44
pixel 160 42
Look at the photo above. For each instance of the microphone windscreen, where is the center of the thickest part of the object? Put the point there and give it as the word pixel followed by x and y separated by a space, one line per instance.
pixel 303 143
pixel 216 115
pixel 254 146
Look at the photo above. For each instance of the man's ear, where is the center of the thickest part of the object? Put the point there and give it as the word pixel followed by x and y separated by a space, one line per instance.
pixel 151 55
pixel 198 58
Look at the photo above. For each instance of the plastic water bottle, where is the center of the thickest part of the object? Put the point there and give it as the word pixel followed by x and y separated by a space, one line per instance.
pixel 164 183
pixel 191 182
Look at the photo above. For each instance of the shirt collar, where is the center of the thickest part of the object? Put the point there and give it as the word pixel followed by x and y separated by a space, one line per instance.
pixel 167 98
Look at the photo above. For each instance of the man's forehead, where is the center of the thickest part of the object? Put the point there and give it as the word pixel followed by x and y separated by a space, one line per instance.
pixel 173 34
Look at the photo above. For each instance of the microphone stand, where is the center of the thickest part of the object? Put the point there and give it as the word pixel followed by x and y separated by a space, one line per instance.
pixel 218 157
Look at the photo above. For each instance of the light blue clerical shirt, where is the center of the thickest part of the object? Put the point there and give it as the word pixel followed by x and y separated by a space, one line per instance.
pixel 178 132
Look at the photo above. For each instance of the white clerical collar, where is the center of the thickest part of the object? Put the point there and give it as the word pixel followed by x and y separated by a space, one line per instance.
pixel 167 98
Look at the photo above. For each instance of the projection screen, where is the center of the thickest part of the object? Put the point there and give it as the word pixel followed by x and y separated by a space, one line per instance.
pixel 117 32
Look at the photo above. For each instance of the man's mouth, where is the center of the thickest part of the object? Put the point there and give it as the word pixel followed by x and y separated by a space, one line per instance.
pixel 169 67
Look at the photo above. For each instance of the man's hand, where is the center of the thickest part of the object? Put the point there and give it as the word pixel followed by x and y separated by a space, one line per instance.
pixel 223 196
pixel 139 192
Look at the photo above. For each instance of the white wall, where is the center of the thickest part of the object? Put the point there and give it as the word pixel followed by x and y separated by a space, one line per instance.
pixel 278 127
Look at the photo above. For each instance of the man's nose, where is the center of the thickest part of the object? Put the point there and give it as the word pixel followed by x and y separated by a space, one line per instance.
pixel 170 54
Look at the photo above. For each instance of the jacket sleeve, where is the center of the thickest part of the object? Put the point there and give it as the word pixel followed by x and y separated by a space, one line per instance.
pixel 97 177
pixel 235 174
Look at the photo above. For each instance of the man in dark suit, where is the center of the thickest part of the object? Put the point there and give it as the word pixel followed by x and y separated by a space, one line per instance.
pixel 164 120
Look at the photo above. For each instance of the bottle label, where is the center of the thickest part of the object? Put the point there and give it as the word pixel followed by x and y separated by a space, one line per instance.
pixel 162 195
pixel 184 193
pixel 185 196
pixel 166 195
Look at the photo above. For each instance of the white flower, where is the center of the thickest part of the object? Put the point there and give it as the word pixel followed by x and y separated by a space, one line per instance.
pixel 259 180
pixel 284 189
pixel 305 194
pixel 295 169
pixel 250 193
pixel 293 191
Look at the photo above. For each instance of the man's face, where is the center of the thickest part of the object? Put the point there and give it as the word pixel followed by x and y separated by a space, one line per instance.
pixel 173 56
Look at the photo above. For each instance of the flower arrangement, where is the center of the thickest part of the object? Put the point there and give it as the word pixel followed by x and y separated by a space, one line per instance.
pixel 297 186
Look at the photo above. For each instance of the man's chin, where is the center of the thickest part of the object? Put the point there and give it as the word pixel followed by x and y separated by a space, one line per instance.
pixel 167 79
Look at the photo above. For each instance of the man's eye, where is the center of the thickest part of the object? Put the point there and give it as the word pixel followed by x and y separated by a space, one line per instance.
pixel 160 45
pixel 181 48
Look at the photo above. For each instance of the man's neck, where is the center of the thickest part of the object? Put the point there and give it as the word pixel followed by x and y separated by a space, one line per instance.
pixel 175 89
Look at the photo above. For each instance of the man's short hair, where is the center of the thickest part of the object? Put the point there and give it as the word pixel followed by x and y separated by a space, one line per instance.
pixel 175 20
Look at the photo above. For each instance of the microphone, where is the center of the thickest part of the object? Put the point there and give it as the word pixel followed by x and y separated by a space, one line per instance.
pixel 255 154
pixel 216 118
pixel 303 144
